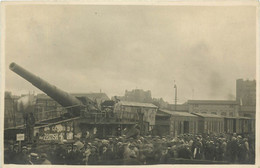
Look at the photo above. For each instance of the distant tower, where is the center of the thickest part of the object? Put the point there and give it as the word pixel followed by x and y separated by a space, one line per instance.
pixel 246 92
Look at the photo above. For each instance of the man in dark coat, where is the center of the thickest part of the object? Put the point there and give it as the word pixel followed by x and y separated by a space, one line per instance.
pixel 60 154
pixel 93 157
pixel 210 150
pixel 14 158
pixel 232 147
pixel 149 154
pixel 23 157
pixel 184 151
pixel 9 154
pixel 106 154
pixel 197 148
pixel 242 151
pixel 219 152
pixel 77 156
pixel 44 159
pixel 69 155
pixel 166 155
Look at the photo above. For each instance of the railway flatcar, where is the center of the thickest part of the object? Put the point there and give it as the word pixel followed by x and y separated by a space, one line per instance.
pixel 240 125
pixel 210 123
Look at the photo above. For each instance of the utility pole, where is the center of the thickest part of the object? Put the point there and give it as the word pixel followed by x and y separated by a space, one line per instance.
pixel 175 87
pixel 14 111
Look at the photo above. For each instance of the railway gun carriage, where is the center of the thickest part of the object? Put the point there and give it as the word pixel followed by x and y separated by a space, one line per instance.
pixel 83 116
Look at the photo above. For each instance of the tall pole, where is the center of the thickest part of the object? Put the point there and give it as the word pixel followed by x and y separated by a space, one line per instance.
pixel 14 111
pixel 192 96
pixel 175 87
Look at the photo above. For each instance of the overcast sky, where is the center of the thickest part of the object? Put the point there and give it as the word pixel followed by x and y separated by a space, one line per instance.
pixel 85 48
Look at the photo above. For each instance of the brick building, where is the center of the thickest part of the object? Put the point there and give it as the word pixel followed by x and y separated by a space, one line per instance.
pixel 179 107
pixel 141 96
pixel 246 92
pixel 138 95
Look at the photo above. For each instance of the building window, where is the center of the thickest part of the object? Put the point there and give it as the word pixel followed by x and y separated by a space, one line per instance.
pixel 248 115
pixel 231 114
pixel 214 113
pixel 223 113
pixel 204 112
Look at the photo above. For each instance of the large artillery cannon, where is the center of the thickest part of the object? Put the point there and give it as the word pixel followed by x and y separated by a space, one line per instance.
pixel 91 117
pixel 73 104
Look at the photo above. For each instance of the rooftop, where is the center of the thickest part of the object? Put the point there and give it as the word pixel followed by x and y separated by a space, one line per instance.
pixel 207 115
pixel 137 104
pixel 177 113
pixel 213 102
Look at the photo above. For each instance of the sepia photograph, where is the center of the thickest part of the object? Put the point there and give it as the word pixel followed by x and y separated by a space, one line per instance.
pixel 129 84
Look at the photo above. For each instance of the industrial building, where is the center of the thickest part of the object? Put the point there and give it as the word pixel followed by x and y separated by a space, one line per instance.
pixel 217 107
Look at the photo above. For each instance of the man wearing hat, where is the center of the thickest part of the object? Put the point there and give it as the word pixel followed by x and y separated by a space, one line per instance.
pixel 87 152
pixel 14 155
pixel 9 154
pixel 44 159
pixel 59 154
pixel 106 154
pixel 68 155
pixel 119 150
pixel 149 153
pixel 77 155
pixel 233 149
pixel 78 145
pixel 197 148
pixel 246 145
pixel 242 150
pixel 23 157
pixel 165 154
pixel 133 150
pixel 93 157
pixel 219 151
pixel 209 150
pixel 127 151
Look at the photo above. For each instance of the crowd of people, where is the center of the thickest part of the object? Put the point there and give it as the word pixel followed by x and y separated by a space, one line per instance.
pixel 142 150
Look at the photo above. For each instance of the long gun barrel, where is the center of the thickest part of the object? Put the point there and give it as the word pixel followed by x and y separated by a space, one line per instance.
pixel 62 97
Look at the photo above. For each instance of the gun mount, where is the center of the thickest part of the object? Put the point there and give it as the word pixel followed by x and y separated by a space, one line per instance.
pixel 62 97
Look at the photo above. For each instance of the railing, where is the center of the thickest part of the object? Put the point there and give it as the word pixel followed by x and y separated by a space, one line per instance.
pixel 98 117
